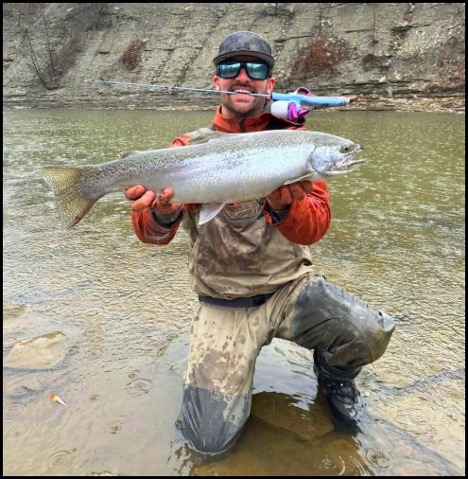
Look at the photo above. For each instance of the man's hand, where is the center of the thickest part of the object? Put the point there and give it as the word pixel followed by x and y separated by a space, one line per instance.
pixel 282 197
pixel 143 198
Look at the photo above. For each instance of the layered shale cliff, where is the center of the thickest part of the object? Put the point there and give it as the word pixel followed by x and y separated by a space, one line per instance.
pixel 395 55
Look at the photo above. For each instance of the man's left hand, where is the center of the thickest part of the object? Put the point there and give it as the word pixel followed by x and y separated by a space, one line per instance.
pixel 282 197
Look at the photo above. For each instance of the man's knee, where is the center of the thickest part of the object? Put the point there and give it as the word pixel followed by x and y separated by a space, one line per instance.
pixel 378 330
pixel 328 318
pixel 212 422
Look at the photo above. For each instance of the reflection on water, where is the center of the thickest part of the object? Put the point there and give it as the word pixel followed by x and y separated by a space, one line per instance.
pixel 397 241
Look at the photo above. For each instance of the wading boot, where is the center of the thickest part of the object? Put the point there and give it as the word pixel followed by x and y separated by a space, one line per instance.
pixel 343 398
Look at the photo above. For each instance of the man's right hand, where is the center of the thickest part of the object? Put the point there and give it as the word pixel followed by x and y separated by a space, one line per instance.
pixel 143 198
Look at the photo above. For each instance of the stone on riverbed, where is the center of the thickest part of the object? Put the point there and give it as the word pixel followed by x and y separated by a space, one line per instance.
pixel 41 352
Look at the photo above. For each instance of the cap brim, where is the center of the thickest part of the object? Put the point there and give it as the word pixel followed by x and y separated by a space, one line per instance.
pixel 262 56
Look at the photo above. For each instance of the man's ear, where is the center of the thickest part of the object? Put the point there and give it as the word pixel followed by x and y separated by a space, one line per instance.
pixel 270 84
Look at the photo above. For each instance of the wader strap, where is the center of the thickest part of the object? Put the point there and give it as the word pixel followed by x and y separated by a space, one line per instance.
pixel 250 302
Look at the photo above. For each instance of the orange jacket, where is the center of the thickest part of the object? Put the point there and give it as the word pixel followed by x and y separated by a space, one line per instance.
pixel 307 220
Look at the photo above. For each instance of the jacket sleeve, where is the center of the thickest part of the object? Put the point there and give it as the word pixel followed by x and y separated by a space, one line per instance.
pixel 149 231
pixel 144 224
pixel 307 220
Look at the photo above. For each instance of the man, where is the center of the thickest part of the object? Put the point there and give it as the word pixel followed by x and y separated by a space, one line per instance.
pixel 251 268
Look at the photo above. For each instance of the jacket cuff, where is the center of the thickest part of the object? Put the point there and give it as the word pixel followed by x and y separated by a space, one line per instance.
pixel 167 221
pixel 274 217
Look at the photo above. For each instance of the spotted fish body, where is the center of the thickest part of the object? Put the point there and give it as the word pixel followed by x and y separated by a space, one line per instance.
pixel 215 169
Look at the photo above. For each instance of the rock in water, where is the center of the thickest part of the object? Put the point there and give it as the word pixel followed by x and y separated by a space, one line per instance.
pixel 42 352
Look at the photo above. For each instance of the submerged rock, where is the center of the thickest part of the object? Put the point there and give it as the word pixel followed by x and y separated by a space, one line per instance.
pixel 41 352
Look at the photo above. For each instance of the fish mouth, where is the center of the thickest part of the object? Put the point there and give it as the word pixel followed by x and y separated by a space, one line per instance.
pixel 353 164
pixel 349 163
pixel 345 165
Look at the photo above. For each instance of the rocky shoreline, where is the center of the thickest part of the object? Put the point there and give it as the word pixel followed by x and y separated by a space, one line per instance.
pixel 447 104
pixel 442 104
pixel 391 57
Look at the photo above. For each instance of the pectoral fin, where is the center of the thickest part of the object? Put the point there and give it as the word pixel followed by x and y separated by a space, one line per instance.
pixel 209 211
pixel 301 178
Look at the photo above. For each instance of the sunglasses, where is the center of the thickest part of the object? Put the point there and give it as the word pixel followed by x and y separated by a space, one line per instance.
pixel 255 70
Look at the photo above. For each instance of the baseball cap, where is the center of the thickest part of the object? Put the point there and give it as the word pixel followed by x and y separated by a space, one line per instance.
pixel 245 43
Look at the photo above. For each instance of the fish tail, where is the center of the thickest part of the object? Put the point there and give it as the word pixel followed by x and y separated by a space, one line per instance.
pixel 71 204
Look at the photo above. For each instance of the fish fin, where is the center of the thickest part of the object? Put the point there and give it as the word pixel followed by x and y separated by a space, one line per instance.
pixel 301 178
pixel 71 204
pixel 202 135
pixel 209 211
pixel 124 154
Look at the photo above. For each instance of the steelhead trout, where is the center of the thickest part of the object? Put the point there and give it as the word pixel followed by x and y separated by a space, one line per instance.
pixel 214 169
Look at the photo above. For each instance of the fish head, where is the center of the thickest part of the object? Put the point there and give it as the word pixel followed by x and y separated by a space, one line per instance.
pixel 337 157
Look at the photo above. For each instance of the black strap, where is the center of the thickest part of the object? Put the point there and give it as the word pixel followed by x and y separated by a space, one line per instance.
pixel 276 124
pixel 250 302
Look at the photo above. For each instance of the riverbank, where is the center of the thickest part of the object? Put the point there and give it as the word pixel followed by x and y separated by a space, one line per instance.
pixel 442 104
pixel 394 57
pixel 447 104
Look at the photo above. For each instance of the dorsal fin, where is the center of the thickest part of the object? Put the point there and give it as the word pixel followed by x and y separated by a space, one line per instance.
pixel 203 135
pixel 124 154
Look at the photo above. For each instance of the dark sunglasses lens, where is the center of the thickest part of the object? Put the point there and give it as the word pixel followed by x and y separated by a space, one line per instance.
pixel 228 70
pixel 256 71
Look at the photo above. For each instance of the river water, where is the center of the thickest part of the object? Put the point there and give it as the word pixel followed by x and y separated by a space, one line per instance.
pixel 124 310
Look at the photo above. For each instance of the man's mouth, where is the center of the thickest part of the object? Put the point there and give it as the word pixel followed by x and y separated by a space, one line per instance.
pixel 242 92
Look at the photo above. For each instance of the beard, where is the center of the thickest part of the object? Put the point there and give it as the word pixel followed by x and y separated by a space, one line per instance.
pixel 252 106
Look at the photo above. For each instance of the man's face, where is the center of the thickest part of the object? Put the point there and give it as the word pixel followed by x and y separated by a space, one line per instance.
pixel 243 105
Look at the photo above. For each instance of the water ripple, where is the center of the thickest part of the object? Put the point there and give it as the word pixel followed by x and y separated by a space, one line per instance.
pixel 139 387
pixel 396 240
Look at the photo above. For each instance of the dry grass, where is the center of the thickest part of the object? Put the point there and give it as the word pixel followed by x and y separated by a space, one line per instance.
pixel 131 57
pixel 320 57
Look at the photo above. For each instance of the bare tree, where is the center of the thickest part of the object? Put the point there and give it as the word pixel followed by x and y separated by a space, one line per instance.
pixel 50 67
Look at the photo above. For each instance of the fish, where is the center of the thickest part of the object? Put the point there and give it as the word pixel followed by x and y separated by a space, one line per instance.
pixel 213 170
pixel 55 398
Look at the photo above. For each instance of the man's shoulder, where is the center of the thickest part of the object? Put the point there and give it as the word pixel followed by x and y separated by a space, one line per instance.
pixel 200 135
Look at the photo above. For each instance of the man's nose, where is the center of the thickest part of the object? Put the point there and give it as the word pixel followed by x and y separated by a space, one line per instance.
pixel 242 75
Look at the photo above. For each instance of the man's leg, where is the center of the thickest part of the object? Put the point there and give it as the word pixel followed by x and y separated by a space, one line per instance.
pixel 345 334
pixel 224 346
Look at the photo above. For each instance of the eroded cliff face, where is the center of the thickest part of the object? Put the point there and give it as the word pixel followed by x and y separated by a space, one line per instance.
pixel 374 52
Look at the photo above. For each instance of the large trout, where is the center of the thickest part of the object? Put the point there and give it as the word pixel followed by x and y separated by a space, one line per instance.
pixel 215 169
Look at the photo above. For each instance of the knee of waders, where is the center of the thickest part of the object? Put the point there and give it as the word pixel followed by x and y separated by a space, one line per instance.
pixel 379 330
pixel 211 421
pixel 326 313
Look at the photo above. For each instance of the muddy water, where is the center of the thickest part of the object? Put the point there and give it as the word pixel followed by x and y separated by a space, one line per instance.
pixel 124 309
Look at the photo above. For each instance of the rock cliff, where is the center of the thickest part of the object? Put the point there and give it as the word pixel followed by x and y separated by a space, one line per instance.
pixel 383 55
